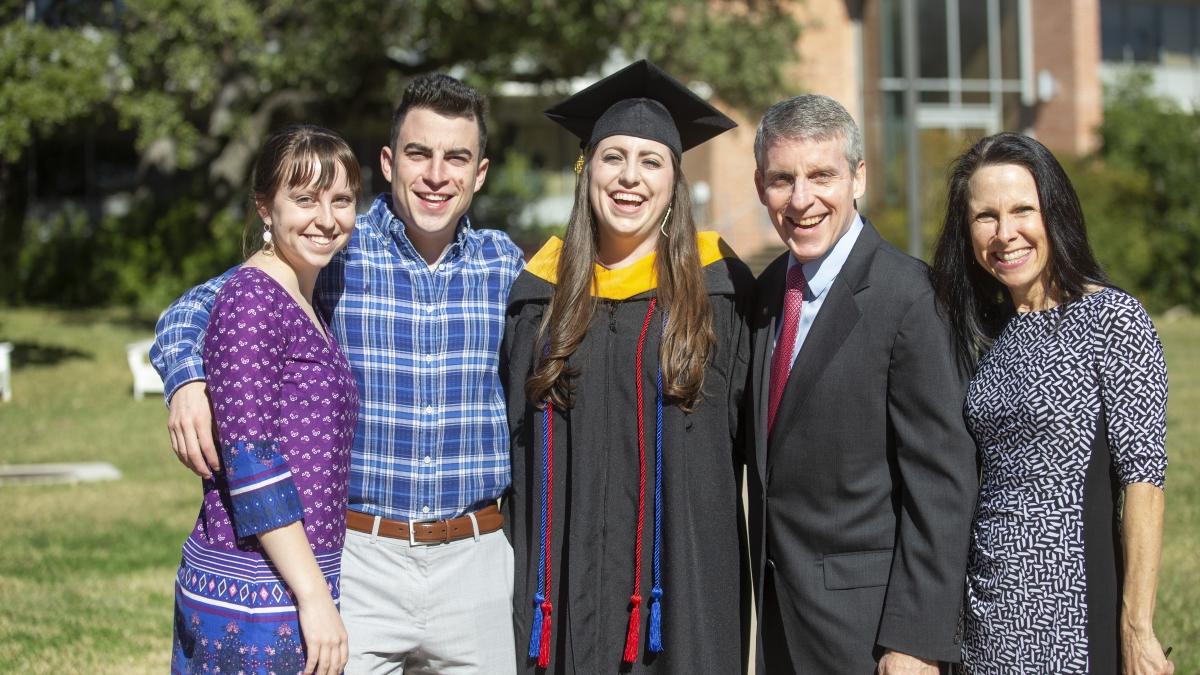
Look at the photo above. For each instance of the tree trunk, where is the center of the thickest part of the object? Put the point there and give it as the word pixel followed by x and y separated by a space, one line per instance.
pixel 14 198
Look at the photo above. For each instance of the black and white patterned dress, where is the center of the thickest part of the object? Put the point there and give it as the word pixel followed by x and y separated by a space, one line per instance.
pixel 1068 406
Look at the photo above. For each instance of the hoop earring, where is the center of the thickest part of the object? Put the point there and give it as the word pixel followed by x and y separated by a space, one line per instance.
pixel 268 246
pixel 663 226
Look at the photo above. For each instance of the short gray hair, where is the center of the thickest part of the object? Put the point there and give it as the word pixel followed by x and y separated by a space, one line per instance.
pixel 808 117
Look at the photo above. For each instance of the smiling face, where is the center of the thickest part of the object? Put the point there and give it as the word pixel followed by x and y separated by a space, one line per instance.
pixel 435 170
pixel 809 190
pixel 308 225
pixel 630 186
pixel 1008 234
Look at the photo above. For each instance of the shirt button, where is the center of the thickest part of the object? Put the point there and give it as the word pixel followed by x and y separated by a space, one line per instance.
pixel 428 410
pixel 429 358
pixel 428 459
pixel 429 309
pixel 424 509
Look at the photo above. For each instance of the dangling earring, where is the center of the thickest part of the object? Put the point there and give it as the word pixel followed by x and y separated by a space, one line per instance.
pixel 663 226
pixel 268 246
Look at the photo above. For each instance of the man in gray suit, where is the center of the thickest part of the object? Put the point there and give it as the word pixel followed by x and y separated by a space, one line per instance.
pixel 865 483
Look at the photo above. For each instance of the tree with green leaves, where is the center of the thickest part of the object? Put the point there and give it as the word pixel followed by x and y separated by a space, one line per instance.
pixel 197 85
pixel 1152 225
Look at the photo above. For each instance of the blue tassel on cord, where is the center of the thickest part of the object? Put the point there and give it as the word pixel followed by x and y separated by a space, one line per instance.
pixel 656 592
pixel 535 638
pixel 656 645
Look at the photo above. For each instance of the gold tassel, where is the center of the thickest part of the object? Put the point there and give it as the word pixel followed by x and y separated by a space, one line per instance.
pixel 579 164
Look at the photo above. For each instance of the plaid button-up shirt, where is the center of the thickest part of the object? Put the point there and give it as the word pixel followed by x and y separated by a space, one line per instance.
pixel 424 343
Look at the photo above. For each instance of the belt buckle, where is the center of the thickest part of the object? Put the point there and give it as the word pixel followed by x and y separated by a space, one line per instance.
pixel 412 533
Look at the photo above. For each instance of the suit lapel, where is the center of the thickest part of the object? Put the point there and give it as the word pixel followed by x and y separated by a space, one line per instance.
pixel 838 316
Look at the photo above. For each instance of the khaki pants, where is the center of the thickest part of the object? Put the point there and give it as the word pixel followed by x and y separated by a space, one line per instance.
pixel 443 609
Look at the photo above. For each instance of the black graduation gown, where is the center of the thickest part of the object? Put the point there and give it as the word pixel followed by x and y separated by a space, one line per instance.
pixel 704 559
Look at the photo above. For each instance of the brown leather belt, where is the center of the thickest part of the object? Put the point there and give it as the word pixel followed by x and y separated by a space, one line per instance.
pixel 488 520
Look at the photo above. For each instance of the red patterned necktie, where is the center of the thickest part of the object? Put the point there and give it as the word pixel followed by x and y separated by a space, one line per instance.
pixel 781 360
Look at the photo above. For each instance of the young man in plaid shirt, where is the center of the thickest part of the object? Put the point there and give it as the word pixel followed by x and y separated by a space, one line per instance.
pixel 416 301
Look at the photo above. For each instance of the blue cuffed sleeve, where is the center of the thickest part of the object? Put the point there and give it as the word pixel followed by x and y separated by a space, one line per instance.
pixel 260 487
pixel 245 354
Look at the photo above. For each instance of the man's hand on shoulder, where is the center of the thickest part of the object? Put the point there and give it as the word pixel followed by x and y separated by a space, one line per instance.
pixel 895 663
pixel 190 424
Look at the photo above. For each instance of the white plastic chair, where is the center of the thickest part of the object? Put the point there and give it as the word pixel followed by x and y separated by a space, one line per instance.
pixel 5 371
pixel 145 378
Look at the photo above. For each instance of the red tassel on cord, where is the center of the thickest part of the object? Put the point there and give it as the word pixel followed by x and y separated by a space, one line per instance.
pixel 544 651
pixel 635 629
pixel 635 613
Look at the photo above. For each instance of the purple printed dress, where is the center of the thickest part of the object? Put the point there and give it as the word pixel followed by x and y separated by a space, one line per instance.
pixel 285 403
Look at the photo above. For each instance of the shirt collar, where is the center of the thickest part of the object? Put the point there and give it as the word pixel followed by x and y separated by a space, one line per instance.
pixel 387 225
pixel 821 272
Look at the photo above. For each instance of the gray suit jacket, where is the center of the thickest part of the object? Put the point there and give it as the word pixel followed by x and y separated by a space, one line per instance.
pixel 862 496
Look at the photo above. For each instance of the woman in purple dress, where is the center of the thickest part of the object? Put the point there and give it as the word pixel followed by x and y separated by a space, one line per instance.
pixel 258 585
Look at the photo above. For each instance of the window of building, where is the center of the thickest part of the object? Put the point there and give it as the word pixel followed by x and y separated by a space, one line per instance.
pixel 969 84
pixel 1150 31
pixel 1175 35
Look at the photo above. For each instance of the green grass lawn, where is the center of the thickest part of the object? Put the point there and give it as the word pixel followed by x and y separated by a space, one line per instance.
pixel 86 571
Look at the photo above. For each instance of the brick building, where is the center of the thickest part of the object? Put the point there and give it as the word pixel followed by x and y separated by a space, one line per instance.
pixel 978 67
pixel 975 67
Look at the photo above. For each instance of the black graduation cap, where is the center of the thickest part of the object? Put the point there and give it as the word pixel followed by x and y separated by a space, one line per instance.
pixel 644 101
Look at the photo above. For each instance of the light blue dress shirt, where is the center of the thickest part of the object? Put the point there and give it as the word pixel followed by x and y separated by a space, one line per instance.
pixel 820 274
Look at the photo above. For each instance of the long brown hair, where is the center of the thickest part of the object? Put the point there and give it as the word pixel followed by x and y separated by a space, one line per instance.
pixel 688 338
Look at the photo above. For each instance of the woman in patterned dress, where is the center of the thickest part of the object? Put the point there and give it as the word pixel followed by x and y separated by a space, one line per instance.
pixel 258 585
pixel 1068 408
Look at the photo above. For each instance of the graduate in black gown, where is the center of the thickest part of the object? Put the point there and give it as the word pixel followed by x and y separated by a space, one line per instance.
pixel 624 360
